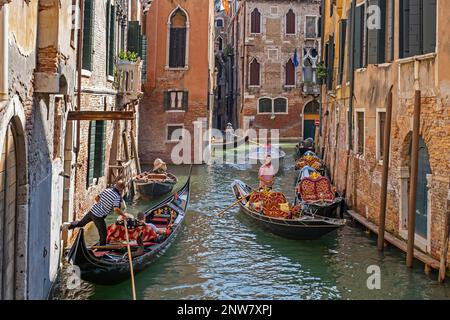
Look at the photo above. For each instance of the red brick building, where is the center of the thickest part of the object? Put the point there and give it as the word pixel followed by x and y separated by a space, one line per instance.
pixel 180 66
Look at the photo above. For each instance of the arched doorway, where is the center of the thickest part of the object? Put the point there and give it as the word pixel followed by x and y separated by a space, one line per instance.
pixel 310 116
pixel 8 213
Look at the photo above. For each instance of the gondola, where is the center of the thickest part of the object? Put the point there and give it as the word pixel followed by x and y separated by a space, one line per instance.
pixel 323 202
pixel 111 266
pixel 304 146
pixel 156 185
pixel 307 227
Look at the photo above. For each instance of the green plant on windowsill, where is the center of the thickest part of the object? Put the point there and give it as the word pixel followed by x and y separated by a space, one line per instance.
pixel 321 72
pixel 128 56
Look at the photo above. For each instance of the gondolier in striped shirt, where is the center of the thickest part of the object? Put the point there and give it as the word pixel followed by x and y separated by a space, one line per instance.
pixel 109 200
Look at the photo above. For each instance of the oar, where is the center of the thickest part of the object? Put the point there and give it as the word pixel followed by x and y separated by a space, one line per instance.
pixel 219 214
pixel 133 288
pixel 259 144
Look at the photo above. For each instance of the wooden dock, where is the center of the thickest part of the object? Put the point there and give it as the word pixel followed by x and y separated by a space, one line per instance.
pixel 396 242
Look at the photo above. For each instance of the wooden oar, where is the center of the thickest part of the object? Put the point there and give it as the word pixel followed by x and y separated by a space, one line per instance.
pixel 219 214
pixel 130 259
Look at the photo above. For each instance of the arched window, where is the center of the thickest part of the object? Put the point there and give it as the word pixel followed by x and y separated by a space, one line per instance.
pixel 290 73
pixel 280 105
pixel 177 47
pixel 255 23
pixel 220 43
pixel 219 23
pixel 265 105
pixel 255 73
pixel 290 22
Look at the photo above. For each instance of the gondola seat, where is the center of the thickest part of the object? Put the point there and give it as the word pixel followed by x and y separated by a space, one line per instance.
pixel 315 190
pixel 116 233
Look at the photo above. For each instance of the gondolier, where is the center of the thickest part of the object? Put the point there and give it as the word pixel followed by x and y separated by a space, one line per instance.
pixel 109 200
pixel 159 166
pixel 266 173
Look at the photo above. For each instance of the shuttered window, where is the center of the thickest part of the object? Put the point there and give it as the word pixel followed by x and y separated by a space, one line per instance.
pixel 254 73
pixel 376 36
pixel 290 22
pixel 360 136
pixel 342 42
pixel 390 26
pixel 177 48
pixel 134 37
pixel 330 63
pixel 417 27
pixel 88 34
pixel 290 73
pixel 381 122
pixel 112 41
pixel 176 100
pixel 255 23
pixel 359 37
pixel 143 55
pixel 351 45
pixel 97 146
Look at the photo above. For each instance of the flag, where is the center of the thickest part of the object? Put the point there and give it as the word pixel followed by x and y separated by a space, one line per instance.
pixel 295 61
pixel 226 6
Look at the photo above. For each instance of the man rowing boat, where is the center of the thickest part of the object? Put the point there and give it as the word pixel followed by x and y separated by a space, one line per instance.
pixel 266 173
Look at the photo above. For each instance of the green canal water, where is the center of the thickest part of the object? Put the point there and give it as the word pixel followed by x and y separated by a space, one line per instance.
pixel 231 258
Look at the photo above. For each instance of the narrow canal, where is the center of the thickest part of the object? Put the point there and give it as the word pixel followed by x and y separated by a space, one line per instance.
pixel 231 258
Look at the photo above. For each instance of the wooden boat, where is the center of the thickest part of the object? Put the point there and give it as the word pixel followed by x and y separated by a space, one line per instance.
pixel 152 185
pixel 304 146
pixel 260 154
pixel 316 195
pixel 306 227
pixel 228 145
pixel 310 159
pixel 111 266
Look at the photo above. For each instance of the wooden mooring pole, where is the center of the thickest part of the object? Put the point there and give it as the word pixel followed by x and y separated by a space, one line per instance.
pixel 384 180
pixel 445 243
pixel 413 181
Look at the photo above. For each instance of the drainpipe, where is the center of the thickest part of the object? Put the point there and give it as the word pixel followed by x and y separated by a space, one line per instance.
pixel 384 179
pixel 413 182
pixel 4 52
pixel 352 92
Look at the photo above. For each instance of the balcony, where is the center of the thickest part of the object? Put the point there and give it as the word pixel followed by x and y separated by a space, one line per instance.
pixel 129 81
pixel 311 88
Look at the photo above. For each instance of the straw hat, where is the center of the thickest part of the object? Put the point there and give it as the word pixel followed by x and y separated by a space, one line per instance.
pixel 158 164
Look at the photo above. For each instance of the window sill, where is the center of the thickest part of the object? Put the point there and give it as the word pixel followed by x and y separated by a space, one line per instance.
pixel 254 87
pixel 360 70
pixel 422 57
pixel 175 111
pixel 289 86
pixel 86 73
pixel 384 65
pixel 177 69
pixel 272 114
pixel 110 78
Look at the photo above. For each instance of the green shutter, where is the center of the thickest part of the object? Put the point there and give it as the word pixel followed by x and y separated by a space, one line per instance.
pixel 91 154
pixel 134 32
pixel 166 100
pixel 342 42
pixel 358 43
pixel 390 30
pixel 100 149
pixel 88 34
pixel 143 55
pixel 429 26
pixel 414 28
pixel 351 45
pixel 112 41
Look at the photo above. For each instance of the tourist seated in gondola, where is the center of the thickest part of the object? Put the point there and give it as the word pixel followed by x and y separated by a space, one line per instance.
pixel 160 232
pixel 159 166
pixel 266 174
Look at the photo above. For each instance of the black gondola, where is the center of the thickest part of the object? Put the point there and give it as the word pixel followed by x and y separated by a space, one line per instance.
pixel 110 267
pixel 322 208
pixel 156 187
pixel 304 146
pixel 307 227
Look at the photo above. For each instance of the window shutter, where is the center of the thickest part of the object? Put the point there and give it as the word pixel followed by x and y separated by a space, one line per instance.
pixel 319 28
pixel 414 27
pixel 87 34
pixel 350 48
pixel 112 41
pixel 99 154
pixel 358 42
pixel 134 31
pixel 254 73
pixel 166 100
pixel 330 69
pixel 185 100
pixel 91 155
pixel 372 39
pixel 290 22
pixel 108 25
pixel 290 73
pixel 342 42
pixel 429 26
pixel 143 55
pixel 390 30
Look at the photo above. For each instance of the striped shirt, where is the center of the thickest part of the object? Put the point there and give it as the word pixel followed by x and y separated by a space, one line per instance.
pixel 109 199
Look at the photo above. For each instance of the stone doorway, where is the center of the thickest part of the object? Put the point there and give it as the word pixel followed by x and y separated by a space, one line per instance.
pixel 310 116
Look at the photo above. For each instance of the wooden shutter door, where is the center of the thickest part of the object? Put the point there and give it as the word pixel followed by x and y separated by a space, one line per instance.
pixel 415 28
pixel 429 26
pixel 134 31
pixel 390 30
pixel 91 155
pixel 342 42
pixel 290 73
pixel 112 41
pixel 358 38
pixel 182 48
pixel 185 102
pixel 87 34
pixel 290 22
pixel 166 101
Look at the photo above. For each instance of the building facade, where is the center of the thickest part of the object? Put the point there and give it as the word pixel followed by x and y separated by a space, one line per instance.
pixel 179 91
pixel 276 51
pixel 46 136
pixel 402 47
